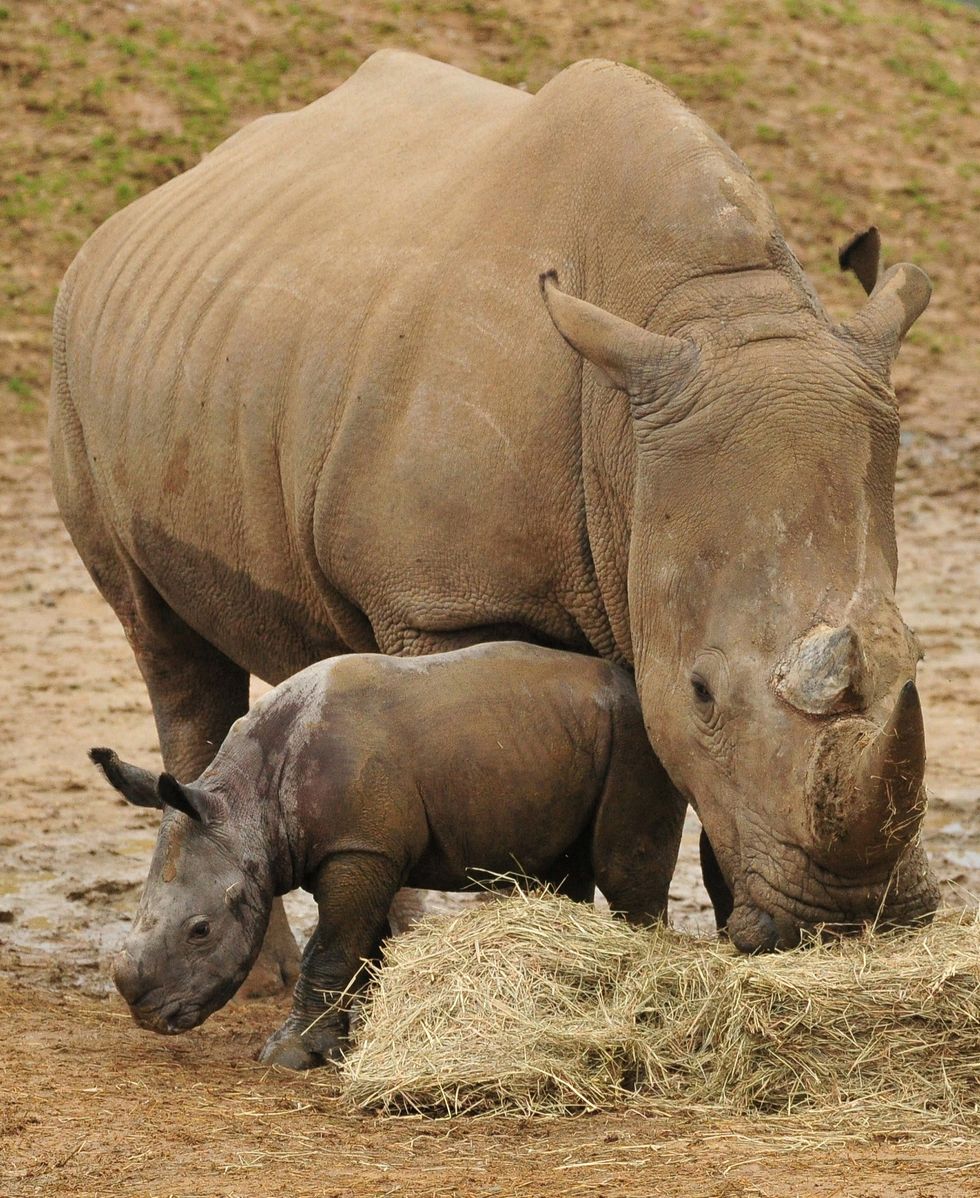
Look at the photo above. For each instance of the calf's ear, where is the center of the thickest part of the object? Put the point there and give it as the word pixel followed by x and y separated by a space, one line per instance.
pixel 194 801
pixel 136 785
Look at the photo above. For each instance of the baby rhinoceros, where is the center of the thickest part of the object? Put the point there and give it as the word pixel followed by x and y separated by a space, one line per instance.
pixel 366 773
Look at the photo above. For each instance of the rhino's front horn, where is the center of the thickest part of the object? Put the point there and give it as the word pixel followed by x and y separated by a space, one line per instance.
pixel 890 775
pixel 824 672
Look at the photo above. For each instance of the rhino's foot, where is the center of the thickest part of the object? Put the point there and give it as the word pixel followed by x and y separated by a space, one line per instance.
pixel 291 1049
pixel 277 966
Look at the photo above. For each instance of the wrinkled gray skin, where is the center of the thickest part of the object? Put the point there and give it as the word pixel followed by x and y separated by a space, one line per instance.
pixel 309 398
pixel 367 773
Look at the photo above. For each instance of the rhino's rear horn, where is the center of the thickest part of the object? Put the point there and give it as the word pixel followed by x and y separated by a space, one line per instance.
pixel 137 786
pixel 824 673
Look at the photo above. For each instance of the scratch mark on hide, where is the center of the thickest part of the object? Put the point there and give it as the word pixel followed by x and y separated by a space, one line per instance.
pixel 501 435
pixel 175 841
pixel 229 280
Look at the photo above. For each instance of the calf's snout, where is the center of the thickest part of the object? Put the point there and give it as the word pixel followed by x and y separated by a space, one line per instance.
pixel 128 978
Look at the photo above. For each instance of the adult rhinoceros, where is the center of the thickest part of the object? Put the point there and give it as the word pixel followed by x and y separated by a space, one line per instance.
pixel 309 398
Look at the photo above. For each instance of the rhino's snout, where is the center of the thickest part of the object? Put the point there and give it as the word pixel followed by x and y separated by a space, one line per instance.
pixel 128 978
pixel 752 930
pixel 133 985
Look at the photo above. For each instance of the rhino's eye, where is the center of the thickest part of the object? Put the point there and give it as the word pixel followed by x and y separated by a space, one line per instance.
pixel 702 693
pixel 200 930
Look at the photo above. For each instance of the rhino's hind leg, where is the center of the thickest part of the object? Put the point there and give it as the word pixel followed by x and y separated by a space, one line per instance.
pixel 196 692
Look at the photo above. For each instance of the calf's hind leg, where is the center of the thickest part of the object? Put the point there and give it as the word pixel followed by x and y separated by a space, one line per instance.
pixel 353 893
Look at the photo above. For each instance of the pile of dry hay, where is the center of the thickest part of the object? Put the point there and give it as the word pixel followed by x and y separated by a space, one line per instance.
pixel 537 1005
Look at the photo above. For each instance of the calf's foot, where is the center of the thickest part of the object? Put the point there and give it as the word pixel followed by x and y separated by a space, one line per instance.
pixel 298 1046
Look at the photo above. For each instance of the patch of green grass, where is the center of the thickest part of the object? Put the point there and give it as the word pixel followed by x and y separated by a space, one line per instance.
pixel 707 37
pixel 263 76
pixel 927 73
pixel 962 9
pixel 25 390
pixel 715 83
pixel 125 193
pixel 917 192
pixel 933 343
pixel 73 32
pixel 770 135
pixel 834 204
pixel 32 196
pixel 127 48
pixel 916 24
pixel 847 12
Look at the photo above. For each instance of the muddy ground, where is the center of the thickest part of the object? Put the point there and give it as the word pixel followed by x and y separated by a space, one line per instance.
pixel 90 1105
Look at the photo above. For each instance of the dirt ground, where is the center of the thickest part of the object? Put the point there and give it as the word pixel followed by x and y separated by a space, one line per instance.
pixel 90 1104
pixel 113 1111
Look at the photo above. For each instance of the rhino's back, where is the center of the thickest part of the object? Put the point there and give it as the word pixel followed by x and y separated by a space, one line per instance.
pixel 319 355
pixel 199 313
pixel 207 331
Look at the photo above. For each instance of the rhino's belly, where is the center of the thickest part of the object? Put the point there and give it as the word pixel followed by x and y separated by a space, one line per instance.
pixel 270 626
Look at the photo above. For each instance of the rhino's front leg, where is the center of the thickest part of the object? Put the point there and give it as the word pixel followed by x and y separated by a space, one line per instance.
pixel 353 893
pixel 715 884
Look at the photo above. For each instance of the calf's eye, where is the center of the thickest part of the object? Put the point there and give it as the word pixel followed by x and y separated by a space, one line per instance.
pixel 200 930
pixel 702 694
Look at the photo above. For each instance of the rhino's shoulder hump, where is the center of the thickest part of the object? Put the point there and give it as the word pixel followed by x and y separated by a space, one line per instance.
pixel 393 71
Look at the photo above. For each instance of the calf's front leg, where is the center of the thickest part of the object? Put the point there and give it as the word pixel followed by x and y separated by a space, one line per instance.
pixel 353 893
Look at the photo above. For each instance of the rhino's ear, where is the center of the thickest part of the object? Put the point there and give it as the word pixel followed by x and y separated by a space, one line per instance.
pixel 862 254
pixel 194 801
pixel 136 785
pixel 643 364
pixel 899 299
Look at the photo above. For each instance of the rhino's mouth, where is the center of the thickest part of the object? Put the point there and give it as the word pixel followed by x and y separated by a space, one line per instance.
pixel 169 1019
pixel 769 914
